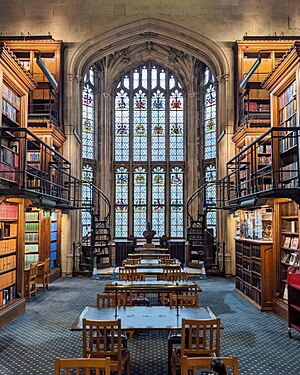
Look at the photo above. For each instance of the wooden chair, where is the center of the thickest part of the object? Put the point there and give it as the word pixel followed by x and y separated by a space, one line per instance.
pixel 184 300
pixel 124 298
pixel 101 339
pixel 199 338
pixel 134 276
pixel 43 273
pixel 85 366
pixel 123 272
pixel 106 300
pixel 30 281
pixel 131 261
pixel 167 261
pixel 189 365
pixel 164 256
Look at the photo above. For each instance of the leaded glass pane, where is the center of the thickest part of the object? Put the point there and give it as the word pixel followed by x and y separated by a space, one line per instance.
pixel 176 126
pixel 210 122
pixel 86 220
pixel 144 77
pixel 136 79
pixel 121 202
pixel 139 201
pixel 158 201
pixel 140 127
pixel 122 126
pixel 87 176
pixel 162 79
pixel 176 219
pixel 153 77
pixel 158 126
pixel 176 202
pixel 88 122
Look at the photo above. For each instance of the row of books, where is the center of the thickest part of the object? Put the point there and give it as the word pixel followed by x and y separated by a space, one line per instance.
pixel 8 246
pixel 31 248
pixel 7 263
pixel 7 279
pixel 31 258
pixel 289 226
pixel 291 258
pixel 256 107
pixel 10 157
pixel 286 112
pixel 31 227
pixel 249 291
pixel 288 140
pixel 32 216
pixel 287 95
pixel 290 123
pixel 289 172
pixel 8 229
pixel 264 149
pixel 291 243
pixel 9 110
pixel 264 160
pixel 34 156
pixel 8 211
pixel 10 96
pixel 7 295
pixel 8 172
pixel 31 237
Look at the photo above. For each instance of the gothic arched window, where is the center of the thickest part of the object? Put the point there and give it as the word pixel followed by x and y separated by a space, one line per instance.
pixel 88 146
pixel 210 147
pixel 149 152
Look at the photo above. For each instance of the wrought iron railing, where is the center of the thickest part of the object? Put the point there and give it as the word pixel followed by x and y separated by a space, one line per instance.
pixel 28 165
pixel 268 166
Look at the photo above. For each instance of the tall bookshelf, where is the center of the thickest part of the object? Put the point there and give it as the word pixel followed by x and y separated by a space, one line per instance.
pixel 11 104
pixel 54 239
pixel 289 242
pixel 288 143
pixel 32 236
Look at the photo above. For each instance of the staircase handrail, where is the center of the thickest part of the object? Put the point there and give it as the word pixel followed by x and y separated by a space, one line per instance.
pixel 190 200
pixel 219 245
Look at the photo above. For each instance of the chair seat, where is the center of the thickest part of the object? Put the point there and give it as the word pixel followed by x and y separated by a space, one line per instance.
pixel 140 301
pixel 113 358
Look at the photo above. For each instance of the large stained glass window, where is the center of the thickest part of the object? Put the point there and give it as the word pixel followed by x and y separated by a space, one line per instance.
pixel 149 149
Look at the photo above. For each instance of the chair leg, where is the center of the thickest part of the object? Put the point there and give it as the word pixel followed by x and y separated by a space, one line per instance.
pixel 128 368
pixel 169 356
pixel 173 366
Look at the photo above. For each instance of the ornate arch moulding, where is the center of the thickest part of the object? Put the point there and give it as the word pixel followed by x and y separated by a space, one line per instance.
pixel 150 30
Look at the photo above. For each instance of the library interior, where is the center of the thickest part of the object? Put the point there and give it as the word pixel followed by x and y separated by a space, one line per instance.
pixel 149 187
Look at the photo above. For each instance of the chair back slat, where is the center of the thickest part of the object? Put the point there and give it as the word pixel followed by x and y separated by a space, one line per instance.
pixel 102 338
pixel 192 364
pixel 200 337
pixel 82 366
pixel 106 300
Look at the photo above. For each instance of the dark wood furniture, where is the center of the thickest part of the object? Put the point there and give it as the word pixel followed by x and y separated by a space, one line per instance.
pixel 123 248
pixel 198 338
pixel 177 249
pixel 30 281
pixel 293 284
pixel 254 271
pixel 43 273
pixel 189 364
pixel 145 318
pixel 90 366
pixel 148 256
pixel 102 339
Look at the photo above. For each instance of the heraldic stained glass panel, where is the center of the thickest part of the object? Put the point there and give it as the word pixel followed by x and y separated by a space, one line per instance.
pixel 210 122
pixel 176 126
pixel 140 126
pixel 176 202
pixel 121 202
pixel 87 176
pixel 158 200
pixel 139 201
pixel 88 116
pixel 122 126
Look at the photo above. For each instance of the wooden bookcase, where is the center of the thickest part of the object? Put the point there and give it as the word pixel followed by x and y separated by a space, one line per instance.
pixel 32 236
pixel 254 263
pixel 12 302
pixel 293 281
pixel 55 235
pixel 287 243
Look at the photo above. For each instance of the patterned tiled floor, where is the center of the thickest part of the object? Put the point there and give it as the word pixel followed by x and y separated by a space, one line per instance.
pixel 30 344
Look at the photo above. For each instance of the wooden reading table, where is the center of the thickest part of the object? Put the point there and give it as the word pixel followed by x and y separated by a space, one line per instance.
pixel 144 317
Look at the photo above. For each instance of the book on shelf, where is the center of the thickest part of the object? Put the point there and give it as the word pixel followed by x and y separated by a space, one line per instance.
pixel 294 243
pixel 287 242
pixel 286 258
pixel 293 259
